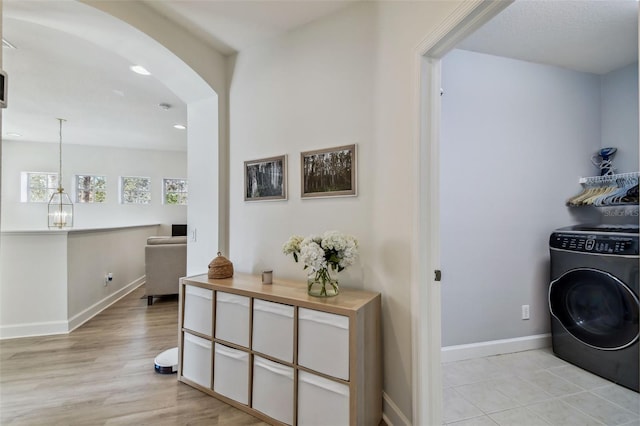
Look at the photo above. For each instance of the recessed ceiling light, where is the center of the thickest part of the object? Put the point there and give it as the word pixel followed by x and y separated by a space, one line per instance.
pixel 179 126
pixel 139 69
pixel 14 134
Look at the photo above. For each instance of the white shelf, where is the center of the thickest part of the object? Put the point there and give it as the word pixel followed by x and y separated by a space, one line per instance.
pixel 299 352
pixel 595 180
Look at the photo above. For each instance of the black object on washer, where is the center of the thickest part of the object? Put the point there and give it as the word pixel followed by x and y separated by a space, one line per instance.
pixel 593 299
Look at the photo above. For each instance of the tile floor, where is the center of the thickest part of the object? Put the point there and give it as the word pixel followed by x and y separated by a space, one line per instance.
pixel 533 388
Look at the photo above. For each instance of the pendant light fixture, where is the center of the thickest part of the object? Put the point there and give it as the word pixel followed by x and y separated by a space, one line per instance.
pixel 60 205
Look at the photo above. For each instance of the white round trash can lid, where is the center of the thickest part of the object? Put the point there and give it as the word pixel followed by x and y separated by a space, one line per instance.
pixel 167 361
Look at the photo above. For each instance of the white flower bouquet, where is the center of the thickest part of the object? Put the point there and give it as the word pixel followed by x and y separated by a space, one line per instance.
pixel 333 250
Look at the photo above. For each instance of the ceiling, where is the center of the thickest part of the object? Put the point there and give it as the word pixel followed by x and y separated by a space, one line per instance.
pixel 594 36
pixel 53 72
pixel 231 26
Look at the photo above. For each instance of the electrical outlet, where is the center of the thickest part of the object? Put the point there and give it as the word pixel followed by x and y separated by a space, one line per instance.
pixel 525 312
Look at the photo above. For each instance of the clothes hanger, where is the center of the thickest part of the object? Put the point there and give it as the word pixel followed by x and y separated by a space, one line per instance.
pixel 580 201
pixel 615 197
pixel 603 191
pixel 607 190
pixel 612 199
pixel 576 200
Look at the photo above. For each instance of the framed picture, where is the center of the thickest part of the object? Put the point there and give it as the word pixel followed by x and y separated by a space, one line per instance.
pixel 265 179
pixel 328 172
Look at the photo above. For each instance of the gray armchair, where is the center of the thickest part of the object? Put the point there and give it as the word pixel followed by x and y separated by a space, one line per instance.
pixel 165 264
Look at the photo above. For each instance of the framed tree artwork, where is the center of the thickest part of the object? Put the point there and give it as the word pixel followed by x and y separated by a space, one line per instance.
pixel 265 179
pixel 329 172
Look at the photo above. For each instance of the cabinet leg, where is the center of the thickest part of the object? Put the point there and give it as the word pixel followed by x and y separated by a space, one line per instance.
pixel 149 300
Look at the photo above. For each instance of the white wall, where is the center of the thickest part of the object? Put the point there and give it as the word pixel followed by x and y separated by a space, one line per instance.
pixel 293 107
pixel 53 281
pixel 347 78
pixel 620 117
pixel 204 183
pixel 515 138
pixel 92 254
pixel 1 123
pixel 33 290
pixel 20 156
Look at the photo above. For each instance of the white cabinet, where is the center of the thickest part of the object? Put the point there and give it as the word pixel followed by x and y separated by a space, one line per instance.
pixel 323 342
pixel 198 303
pixel 196 357
pixel 273 389
pixel 232 318
pixel 281 355
pixel 315 395
pixel 231 375
pixel 273 329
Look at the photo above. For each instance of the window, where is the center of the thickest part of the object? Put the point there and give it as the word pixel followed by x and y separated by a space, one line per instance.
pixel 135 190
pixel 174 191
pixel 91 189
pixel 37 187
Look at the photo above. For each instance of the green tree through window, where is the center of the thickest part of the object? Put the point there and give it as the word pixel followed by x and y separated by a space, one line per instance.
pixel 135 190
pixel 38 187
pixel 175 191
pixel 91 189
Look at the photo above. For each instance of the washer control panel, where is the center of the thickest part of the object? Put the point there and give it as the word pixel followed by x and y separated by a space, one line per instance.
pixel 595 243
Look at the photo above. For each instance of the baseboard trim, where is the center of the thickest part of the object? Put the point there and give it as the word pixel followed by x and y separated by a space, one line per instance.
pixel 33 329
pixel 495 347
pixel 391 414
pixel 93 310
pixel 65 327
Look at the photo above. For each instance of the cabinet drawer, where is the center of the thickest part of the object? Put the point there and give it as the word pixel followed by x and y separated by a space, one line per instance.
pixel 273 329
pixel 323 342
pixel 273 389
pixel 231 373
pixel 322 401
pixel 232 318
pixel 198 303
pixel 196 360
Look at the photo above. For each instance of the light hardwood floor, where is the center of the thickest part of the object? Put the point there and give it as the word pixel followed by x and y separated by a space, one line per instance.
pixel 102 374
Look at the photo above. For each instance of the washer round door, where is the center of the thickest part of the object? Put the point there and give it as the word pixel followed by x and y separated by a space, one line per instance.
pixel 596 308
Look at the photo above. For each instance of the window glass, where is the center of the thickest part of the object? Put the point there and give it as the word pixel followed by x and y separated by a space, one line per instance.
pixel 91 189
pixel 37 187
pixel 135 190
pixel 175 191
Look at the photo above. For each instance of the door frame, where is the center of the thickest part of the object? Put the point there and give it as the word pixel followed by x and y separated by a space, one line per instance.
pixel 425 291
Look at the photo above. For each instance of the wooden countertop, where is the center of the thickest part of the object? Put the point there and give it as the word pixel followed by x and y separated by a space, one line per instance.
pixel 285 291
